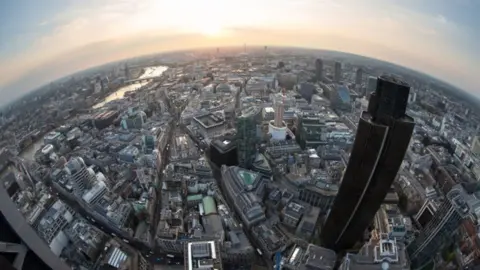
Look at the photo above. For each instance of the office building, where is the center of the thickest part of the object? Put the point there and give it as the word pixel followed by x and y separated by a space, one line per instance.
pixel 119 256
pixel 80 176
pixel 203 255
pixel 319 69
pixel 246 124
pixel 307 90
pixel 383 136
pixel 133 119
pixel 244 190
pixel 148 144
pixel 86 238
pixel 210 124
pixel 223 151
pixel 341 99
pixel 438 232
pixel 371 86
pixel 311 130
pixel 97 191
pixel 358 76
pixel 23 249
pixel 311 257
pixel 52 224
pixel 337 75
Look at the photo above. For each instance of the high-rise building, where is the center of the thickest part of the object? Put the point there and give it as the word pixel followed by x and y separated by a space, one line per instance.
pixel 371 85
pixel 277 128
pixel 80 176
pixel 21 247
pixel 337 76
pixel 440 229
pixel 246 125
pixel 358 76
pixel 319 69
pixel 383 136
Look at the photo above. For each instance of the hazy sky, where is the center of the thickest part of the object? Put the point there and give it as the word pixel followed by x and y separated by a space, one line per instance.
pixel 41 40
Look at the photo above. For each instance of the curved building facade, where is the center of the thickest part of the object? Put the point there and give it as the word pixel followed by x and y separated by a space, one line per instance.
pixel 383 136
pixel 79 174
pixel 278 133
pixel 244 190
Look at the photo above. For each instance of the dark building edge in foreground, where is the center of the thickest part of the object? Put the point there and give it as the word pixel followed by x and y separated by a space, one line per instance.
pixel 15 227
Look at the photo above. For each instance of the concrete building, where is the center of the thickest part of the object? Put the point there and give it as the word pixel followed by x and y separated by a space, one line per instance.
pixel 311 257
pixel 129 154
pixel 97 191
pixel 203 255
pixel 383 253
pixel 80 177
pixel 86 238
pixel 52 224
pixel 244 190
pixel 311 130
pixel 210 124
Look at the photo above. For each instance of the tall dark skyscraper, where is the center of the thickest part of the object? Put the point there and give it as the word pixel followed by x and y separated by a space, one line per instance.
pixel 337 76
pixel 358 76
pixel 319 69
pixel 383 135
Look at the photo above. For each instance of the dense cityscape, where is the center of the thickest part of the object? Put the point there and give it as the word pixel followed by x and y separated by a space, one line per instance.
pixel 241 158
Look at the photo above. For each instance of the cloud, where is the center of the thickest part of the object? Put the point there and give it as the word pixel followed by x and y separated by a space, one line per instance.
pixel 440 18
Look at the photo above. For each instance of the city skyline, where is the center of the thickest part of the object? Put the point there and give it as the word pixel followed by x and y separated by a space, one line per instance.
pixel 41 44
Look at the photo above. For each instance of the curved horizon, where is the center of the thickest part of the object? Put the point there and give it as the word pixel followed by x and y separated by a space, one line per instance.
pixel 41 44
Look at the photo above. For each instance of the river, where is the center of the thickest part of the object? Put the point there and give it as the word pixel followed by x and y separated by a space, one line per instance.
pixel 29 152
pixel 149 72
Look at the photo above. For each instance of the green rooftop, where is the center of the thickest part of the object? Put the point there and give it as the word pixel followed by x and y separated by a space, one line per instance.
pixel 247 177
pixel 197 197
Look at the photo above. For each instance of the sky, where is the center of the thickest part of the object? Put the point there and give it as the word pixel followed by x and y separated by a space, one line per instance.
pixel 44 40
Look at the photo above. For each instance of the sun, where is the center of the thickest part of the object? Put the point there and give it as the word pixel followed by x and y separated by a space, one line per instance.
pixel 211 30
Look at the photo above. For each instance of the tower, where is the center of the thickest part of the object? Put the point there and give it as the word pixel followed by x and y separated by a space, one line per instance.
pixel 319 69
pixel 279 110
pixel 246 124
pixel 277 128
pixel 383 136
pixel 371 85
pixel 358 76
pixel 337 76
pixel 438 232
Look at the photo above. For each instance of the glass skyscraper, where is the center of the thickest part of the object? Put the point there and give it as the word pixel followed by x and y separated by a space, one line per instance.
pixel 246 124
